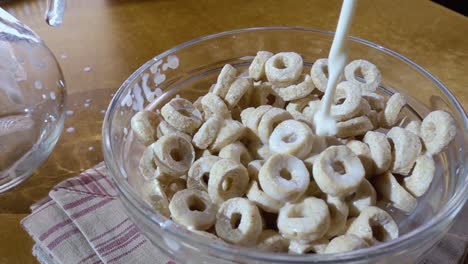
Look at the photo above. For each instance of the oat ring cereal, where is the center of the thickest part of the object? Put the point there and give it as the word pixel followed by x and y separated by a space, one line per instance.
pixel 406 149
pixel 257 67
pixel 338 171
pixel 181 114
pixel 303 87
pixel 228 179
pixel 369 71
pixel 174 155
pixel 284 177
pixel 292 137
pixel 284 68
pixel 317 72
pixel 351 94
pixel 239 222
pixel 193 208
pixel 437 130
pixel 363 197
pixel 144 126
pixel 308 220
pixel 199 173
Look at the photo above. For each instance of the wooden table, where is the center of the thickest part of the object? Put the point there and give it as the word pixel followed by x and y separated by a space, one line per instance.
pixel 114 38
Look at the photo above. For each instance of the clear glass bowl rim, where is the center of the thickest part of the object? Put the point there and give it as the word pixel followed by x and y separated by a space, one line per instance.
pixel 406 241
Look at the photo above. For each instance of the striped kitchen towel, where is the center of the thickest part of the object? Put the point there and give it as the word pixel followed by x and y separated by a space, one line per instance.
pixel 82 221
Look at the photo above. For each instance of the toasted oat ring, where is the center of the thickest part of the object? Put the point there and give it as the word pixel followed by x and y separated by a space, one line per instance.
pixel 238 89
pixel 394 105
pixel 369 71
pixel 261 199
pixel 349 108
pixel 239 222
pixel 144 125
pixel 270 240
pixel 199 173
pixel 338 171
pixel 147 165
pixel 236 151
pixel 303 247
pixel 224 81
pixel 338 215
pixel 374 225
pixel 253 168
pixel 269 121
pixel 300 89
pixel 363 197
pixel 263 94
pixel 380 149
pixel 317 72
pixel 353 127
pixel 363 152
pixel 375 100
pixel 228 179
pixel 437 130
pixel 292 137
pixel 345 243
pixel 414 126
pixel 420 179
pixel 165 129
pixel 307 220
pixel 181 114
pixel 213 105
pixel 257 67
pixel 193 208
pixel 406 149
pixel 284 177
pixel 207 132
pixel 172 185
pixel 253 119
pixel 389 188
pixel 229 133
pixel 174 155
pixel 283 68
pixel 153 194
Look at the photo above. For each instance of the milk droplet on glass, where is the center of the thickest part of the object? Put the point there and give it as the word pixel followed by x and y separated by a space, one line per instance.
pixel 70 129
pixel 87 69
pixel 37 84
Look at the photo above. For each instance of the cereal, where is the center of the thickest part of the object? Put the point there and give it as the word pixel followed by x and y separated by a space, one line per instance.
pixel 229 133
pixel 263 200
pixel 406 148
pixel 236 151
pixel 335 164
pixel 284 177
pixel 351 94
pixel 199 173
pixel 392 110
pixel 414 127
pixel 182 115
pixel 193 208
pixel 353 127
pixel 239 222
pixel 253 168
pixel 292 137
pixel 338 215
pixel 283 68
pixel 380 149
pixel 173 154
pixel 153 194
pixel 213 105
pixel 257 67
pixel 264 94
pixel 374 225
pixel 308 220
pixel 172 185
pixel 227 179
pixel 270 240
pixel 345 243
pixel 319 75
pixel 437 130
pixel 302 247
pixel 369 71
pixel 225 78
pixel 375 100
pixel 207 132
pixel 147 165
pixel 303 87
pixel 239 89
pixel 144 125
pixel 364 154
pixel 164 129
pixel 388 187
pixel 421 177
pixel 363 197
pixel 269 120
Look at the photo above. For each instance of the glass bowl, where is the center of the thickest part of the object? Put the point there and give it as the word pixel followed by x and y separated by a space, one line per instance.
pixel 189 69
pixel 32 101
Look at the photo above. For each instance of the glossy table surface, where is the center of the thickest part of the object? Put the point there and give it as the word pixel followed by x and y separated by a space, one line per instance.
pixel 113 38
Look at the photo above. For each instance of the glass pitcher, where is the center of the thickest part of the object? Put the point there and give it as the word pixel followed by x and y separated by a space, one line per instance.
pixel 32 98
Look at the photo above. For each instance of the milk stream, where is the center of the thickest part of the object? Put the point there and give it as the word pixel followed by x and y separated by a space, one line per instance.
pixel 324 123
pixel 54 12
